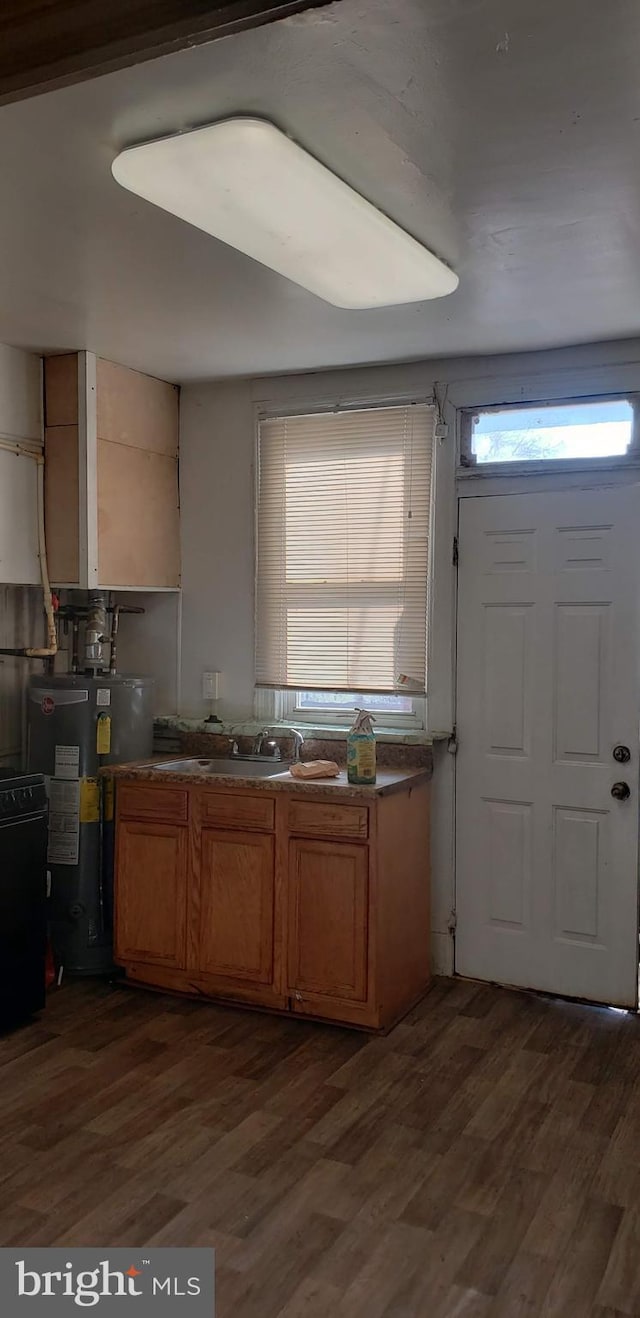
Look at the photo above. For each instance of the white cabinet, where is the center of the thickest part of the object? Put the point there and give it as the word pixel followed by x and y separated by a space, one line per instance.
pixel 20 422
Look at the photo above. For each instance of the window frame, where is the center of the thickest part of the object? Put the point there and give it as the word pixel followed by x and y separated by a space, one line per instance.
pixel 469 467
pixel 410 720
pixel 280 705
pixel 273 705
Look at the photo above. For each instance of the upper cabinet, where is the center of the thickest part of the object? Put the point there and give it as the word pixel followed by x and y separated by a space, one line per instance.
pixel 20 427
pixel 111 475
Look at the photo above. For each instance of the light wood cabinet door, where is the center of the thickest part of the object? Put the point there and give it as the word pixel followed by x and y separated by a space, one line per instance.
pixel 151 893
pixel 328 920
pixel 237 903
pixel 129 439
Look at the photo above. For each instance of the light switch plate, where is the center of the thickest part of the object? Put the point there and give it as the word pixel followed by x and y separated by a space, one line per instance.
pixel 210 686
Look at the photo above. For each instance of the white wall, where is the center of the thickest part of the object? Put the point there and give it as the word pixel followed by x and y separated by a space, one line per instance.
pixel 149 644
pixel 20 419
pixel 217 446
pixel 20 394
pixel 217 519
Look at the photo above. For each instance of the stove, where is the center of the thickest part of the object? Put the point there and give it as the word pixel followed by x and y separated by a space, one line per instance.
pixel 23 895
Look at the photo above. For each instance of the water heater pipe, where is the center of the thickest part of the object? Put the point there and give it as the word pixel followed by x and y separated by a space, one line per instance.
pixel 51 648
pixel 95 630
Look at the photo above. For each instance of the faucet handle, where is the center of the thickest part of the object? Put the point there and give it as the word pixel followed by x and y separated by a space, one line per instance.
pixel 296 737
pixel 272 748
pixel 289 734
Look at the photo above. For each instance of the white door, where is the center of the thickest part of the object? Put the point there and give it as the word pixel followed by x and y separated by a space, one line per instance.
pixel 548 660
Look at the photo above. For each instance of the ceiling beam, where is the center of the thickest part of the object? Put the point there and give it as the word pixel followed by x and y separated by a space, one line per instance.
pixel 51 43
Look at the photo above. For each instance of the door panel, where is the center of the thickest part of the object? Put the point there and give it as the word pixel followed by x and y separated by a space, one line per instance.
pixel 547 685
pixel 508 829
pixel 579 843
pixel 328 903
pixel 151 893
pixel 508 679
pixel 582 638
pixel 237 884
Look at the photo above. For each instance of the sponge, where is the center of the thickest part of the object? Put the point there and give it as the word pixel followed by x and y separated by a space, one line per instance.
pixel 315 769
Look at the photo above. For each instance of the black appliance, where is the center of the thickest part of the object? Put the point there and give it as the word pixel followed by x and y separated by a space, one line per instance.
pixel 23 895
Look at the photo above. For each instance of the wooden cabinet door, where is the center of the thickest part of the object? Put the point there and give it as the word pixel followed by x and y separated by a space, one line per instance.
pixel 151 893
pixel 328 919
pixel 237 902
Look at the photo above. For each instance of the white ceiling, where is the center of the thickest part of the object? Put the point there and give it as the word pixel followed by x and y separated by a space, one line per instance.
pixel 504 135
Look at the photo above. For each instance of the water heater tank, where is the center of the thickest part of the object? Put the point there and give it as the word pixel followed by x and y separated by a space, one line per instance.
pixel 76 725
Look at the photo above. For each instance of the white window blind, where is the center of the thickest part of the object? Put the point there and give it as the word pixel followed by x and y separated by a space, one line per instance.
pixel 344 503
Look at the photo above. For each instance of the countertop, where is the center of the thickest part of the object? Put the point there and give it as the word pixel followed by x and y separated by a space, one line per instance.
pixel 388 780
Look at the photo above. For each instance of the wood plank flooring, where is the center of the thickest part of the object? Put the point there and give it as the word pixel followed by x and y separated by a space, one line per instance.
pixel 482 1161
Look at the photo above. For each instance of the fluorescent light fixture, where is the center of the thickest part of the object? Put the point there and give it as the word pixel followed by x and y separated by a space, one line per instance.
pixel 248 184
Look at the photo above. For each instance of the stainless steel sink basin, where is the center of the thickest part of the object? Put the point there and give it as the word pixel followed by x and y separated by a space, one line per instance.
pixel 251 767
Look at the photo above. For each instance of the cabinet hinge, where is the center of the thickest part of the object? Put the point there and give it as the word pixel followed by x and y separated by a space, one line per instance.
pixel 453 922
pixel 455 555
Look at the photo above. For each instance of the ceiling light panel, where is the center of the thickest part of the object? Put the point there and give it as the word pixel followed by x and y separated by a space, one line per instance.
pixel 248 184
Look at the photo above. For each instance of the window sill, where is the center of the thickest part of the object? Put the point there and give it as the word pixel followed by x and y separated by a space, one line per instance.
pixel 321 732
pixel 556 466
pixel 338 732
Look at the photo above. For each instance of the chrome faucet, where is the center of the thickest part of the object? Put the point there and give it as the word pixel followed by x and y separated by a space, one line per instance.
pixel 266 743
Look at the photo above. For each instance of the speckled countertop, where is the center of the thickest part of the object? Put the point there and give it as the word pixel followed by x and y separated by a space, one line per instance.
pixel 388 780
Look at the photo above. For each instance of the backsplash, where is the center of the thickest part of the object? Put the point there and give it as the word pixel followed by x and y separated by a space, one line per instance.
pixel 388 755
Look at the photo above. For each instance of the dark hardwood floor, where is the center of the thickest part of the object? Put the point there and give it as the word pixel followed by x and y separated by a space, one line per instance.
pixel 483 1159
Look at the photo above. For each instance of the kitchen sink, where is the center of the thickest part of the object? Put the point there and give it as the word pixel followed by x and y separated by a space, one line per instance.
pixel 249 767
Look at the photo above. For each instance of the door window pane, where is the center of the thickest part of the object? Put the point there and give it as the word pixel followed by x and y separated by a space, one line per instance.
pixel 540 434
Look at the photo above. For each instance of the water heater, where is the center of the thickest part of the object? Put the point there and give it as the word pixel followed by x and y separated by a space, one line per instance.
pixel 77 723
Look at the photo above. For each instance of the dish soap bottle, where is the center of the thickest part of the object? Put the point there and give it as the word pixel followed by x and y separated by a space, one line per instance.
pixel 361 750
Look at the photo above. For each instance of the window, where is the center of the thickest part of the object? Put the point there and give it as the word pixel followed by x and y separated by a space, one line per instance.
pixel 338 707
pixel 345 702
pixel 554 432
pixel 344 504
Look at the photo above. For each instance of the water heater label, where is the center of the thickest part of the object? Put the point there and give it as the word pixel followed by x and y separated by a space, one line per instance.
pixel 89 801
pixel 103 735
pixel 64 822
pixel 48 699
pixel 103 696
pixel 67 762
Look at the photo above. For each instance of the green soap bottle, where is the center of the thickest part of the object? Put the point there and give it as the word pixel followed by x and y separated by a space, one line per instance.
pixel 361 750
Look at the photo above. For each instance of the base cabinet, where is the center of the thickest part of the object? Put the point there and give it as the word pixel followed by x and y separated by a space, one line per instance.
pixel 151 892
pixel 328 921
pixel 313 906
pixel 237 906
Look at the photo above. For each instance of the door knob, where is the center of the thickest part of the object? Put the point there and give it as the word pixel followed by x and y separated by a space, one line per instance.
pixel 621 754
pixel 621 791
